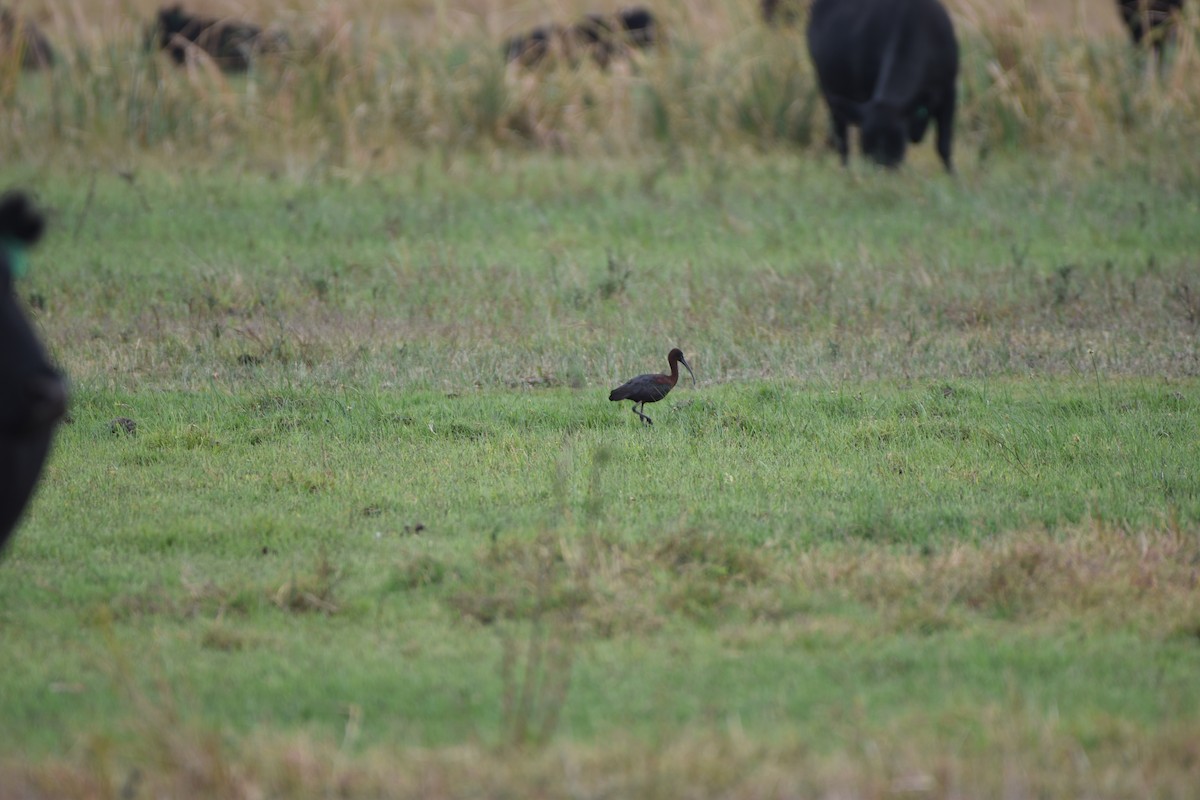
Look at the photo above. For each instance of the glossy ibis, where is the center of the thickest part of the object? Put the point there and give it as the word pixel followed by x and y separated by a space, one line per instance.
pixel 651 388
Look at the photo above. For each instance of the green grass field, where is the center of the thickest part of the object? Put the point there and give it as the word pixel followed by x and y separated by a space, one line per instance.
pixel 929 518
pixel 928 525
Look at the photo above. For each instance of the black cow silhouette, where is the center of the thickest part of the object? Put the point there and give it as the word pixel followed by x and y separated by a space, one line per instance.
pixel 889 67
pixel 33 395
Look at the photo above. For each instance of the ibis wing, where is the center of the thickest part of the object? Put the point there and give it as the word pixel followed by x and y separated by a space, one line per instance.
pixel 643 389
pixel 626 389
pixel 619 393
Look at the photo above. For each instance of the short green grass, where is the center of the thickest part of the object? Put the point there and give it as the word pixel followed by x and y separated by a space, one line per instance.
pixel 934 498
pixel 796 563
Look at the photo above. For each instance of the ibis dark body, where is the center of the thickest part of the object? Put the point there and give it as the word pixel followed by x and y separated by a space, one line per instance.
pixel 652 387
pixel 33 395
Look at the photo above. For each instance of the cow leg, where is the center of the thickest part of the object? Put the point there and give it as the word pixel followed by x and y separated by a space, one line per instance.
pixel 840 142
pixel 918 121
pixel 945 130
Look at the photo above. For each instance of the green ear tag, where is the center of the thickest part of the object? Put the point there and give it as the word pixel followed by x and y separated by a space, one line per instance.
pixel 18 259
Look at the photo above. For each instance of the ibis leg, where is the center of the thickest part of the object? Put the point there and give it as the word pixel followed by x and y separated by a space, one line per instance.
pixel 645 419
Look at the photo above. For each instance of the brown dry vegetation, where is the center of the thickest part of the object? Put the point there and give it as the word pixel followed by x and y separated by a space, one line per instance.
pixel 1036 759
pixel 366 81
pixel 1096 18
pixel 1091 576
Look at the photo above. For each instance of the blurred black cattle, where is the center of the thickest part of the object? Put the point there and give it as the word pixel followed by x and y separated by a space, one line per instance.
pixel 1150 21
pixel 21 39
pixel 531 48
pixel 604 37
pixel 600 37
pixel 231 45
pixel 889 67
pixel 33 395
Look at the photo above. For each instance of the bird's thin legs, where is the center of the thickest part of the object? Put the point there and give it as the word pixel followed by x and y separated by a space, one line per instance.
pixel 645 419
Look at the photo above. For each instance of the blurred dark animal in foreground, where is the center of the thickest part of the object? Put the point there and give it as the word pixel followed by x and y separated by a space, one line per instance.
pixel 231 45
pixel 889 67
pixel 33 395
pixel 21 39
pixel 600 37
pixel 1151 21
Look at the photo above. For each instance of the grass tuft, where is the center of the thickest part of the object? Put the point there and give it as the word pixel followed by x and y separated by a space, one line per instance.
pixel 311 592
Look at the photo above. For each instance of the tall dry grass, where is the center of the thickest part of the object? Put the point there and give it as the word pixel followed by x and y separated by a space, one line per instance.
pixel 365 82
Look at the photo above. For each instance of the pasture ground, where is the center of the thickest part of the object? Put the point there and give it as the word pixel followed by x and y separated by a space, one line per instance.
pixel 929 525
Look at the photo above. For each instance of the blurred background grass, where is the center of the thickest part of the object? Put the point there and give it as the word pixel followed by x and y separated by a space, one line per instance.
pixel 363 82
